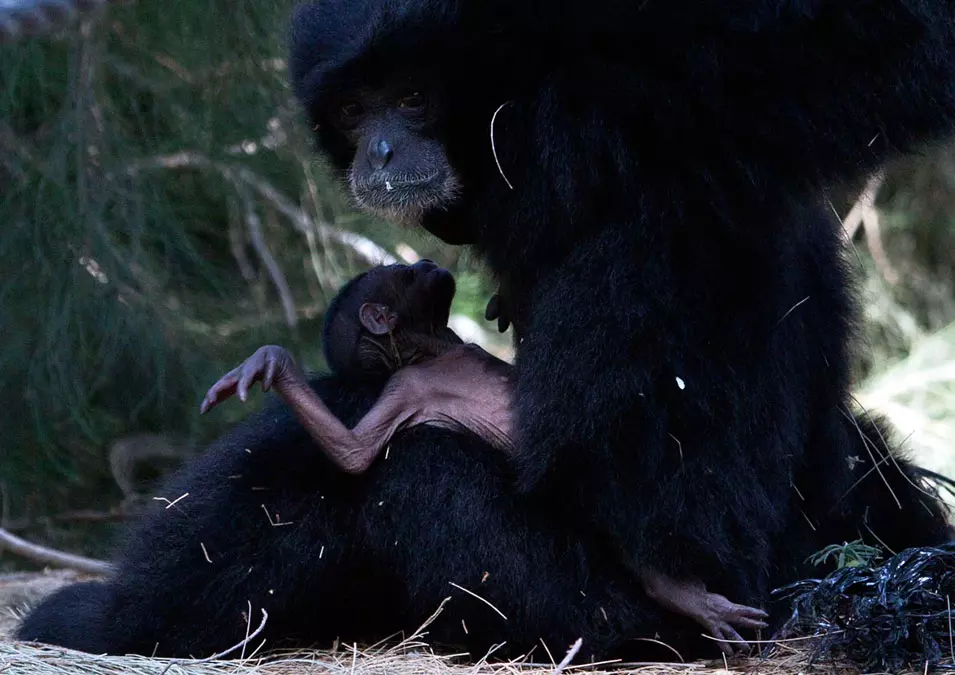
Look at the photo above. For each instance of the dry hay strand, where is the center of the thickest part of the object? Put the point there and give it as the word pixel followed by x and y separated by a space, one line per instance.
pixel 411 656
pixel 407 658
pixel 821 648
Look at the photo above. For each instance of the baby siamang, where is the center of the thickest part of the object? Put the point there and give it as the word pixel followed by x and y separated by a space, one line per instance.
pixel 646 179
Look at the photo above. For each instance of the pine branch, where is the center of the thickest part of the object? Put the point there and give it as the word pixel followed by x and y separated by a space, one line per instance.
pixel 254 225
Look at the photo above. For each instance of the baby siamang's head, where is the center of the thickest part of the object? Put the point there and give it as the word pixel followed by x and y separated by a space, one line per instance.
pixel 388 317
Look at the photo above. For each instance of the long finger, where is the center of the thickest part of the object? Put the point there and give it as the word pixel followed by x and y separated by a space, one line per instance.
pixel 218 392
pixel 725 647
pixel 738 642
pixel 751 612
pixel 747 622
pixel 245 382
pixel 269 375
pixel 731 639
pixel 208 403
pixel 715 630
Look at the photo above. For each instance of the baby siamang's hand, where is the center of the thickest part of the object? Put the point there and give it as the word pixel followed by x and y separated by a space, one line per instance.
pixel 270 364
pixel 497 309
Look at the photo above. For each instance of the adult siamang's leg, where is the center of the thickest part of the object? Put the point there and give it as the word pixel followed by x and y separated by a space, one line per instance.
pixel 263 521
pixel 440 514
pixel 260 521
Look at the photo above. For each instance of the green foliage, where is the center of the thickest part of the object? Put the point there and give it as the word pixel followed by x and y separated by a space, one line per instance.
pixel 849 554
pixel 163 214
pixel 152 165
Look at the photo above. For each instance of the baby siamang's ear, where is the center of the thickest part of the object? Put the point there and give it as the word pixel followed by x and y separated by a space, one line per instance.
pixel 377 319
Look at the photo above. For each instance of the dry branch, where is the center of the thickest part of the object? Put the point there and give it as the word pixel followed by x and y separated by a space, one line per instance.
pixel 81 516
pixel 253 224
pixel 364 247
pixel 49 556
pixel 864 214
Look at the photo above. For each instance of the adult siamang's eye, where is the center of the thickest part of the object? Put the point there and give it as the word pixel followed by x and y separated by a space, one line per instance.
pixel 352 110
pixel 412 101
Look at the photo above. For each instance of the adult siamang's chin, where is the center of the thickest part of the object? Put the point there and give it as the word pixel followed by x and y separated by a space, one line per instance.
pixel 405 199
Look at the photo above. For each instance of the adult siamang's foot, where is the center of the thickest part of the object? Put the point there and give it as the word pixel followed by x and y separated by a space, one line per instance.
pixel 720 617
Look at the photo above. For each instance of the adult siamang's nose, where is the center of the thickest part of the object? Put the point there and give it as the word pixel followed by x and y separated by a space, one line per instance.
pixel 379 153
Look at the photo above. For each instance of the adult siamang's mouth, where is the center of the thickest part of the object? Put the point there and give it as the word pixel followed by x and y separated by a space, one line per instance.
pixel 404 197
pixel 383 190
pixel 390 181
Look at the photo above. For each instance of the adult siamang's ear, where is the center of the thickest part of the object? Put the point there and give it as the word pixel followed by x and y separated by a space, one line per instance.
pixel 377 319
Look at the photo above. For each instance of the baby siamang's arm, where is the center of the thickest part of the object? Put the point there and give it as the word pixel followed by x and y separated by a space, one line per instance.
pixel 455 390
pixel 352 450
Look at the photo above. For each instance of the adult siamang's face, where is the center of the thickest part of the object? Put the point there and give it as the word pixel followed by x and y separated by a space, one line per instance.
pixel 400 170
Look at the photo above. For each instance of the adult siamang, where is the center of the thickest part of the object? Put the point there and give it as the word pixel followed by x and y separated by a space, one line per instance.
pixel 644 177
pixel 647 181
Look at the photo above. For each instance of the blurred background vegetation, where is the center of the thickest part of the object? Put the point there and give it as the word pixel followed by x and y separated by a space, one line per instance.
pixel 163 214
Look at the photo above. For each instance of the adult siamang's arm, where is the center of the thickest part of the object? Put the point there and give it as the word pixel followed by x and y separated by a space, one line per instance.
pixel 639 409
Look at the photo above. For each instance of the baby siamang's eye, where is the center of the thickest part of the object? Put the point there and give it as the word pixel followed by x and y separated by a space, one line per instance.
pixel 352 110
pixel 412 101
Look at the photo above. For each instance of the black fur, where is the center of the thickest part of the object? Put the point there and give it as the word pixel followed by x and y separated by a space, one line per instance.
pixel 75 617
pixel 683 378
pixel 362 557
pixel 665 223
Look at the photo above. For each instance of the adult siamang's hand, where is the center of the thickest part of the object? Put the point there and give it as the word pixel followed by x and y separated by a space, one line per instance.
pixel 497 309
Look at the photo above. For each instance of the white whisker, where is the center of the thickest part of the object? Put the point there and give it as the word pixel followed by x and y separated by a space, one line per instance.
pixel 494 147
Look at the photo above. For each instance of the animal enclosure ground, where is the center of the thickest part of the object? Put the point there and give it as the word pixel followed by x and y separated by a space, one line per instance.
pixel 17 658
pixel 409 658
